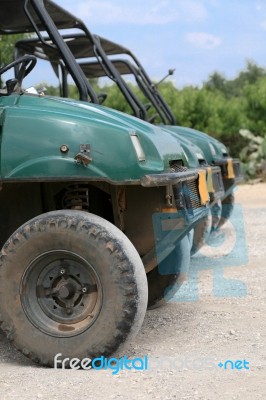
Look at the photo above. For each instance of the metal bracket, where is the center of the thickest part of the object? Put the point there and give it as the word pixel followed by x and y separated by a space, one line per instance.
pixel 83 157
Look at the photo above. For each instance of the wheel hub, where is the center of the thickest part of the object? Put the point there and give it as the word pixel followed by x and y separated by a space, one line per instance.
pixel 61 288
pixel 66 291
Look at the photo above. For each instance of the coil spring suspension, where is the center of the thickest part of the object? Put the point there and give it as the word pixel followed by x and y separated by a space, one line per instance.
pixel 76 197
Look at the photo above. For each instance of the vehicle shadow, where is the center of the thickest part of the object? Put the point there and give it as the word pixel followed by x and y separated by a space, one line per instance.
pixel 9 355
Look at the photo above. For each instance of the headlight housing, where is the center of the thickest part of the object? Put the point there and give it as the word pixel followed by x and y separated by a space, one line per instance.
pixel 212 148
pixel 138 148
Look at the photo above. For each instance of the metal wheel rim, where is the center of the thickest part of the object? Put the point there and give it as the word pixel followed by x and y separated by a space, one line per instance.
pixel 61 293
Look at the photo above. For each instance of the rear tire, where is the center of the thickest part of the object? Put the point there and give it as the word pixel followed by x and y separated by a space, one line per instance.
pixel 70 283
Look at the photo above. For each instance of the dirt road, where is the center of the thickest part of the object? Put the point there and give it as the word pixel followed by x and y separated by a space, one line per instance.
pixel 185 340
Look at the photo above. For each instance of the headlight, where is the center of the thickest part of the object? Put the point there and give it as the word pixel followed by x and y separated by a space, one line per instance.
pixel 199 156
pixel 224 151
pixel 137 146
pixel 212 148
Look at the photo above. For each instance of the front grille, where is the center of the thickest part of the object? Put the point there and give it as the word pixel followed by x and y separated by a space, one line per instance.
pixel 177 166
pixel 203 163
pixel 217 181
pixel 224 170
pixel 187 193
pixel 194 193
pixel 237 168
pixel 218 185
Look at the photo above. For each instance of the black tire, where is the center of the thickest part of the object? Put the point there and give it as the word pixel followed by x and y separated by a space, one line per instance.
pixel 165 280
pixel 70 283
pixel 202 232
pixel 227 209
pixel 216 212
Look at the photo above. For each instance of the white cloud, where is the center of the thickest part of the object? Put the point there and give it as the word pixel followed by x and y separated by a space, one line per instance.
pixel 139 12
pixel 258 6
pixel 203 40
pixel 263 24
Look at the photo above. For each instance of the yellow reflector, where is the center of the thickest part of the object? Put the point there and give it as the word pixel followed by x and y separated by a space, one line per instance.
pixel 230 169
pixel 203 190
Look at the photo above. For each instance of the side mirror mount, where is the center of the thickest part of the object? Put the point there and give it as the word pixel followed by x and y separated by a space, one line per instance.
pixel 170 72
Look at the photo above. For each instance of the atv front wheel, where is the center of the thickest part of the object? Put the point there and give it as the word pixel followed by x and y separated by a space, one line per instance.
pixel 70 283
pixel 227 209
pixel 165 280
pixel 216 212
pixel 202 232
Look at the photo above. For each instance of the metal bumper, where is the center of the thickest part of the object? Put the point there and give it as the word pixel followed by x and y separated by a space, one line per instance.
pixel 231 169
pixel 169 178
pixel 189 191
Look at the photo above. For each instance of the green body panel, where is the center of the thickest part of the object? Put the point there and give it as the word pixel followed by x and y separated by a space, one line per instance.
pixel 203 141
pixel 191 152
pixel 33 128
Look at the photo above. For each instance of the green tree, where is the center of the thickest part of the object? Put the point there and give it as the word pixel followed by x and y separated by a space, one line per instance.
pixel 216 81
pixel 234 87
pixel 7 43
pixel 255 106
pixel 47 89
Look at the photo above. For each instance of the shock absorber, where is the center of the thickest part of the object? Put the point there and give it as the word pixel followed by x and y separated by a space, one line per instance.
pixel 76 197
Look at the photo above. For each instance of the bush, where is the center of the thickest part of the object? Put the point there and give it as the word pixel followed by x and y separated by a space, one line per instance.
pixel 253 155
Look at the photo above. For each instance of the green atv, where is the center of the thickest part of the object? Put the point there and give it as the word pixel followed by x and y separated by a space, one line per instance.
pixel 92 46
pixel 214 152
pixel 81 186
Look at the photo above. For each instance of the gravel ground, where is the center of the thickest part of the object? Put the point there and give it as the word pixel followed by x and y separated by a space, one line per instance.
pixel 184 340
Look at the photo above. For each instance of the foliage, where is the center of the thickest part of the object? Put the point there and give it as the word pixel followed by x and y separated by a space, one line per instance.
pixel 253 155
pixel 7 47
pixel 7 43
pixel 234 87
pixel 47 89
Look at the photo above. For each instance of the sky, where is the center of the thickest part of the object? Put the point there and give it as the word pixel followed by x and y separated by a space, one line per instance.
pixel 196 37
